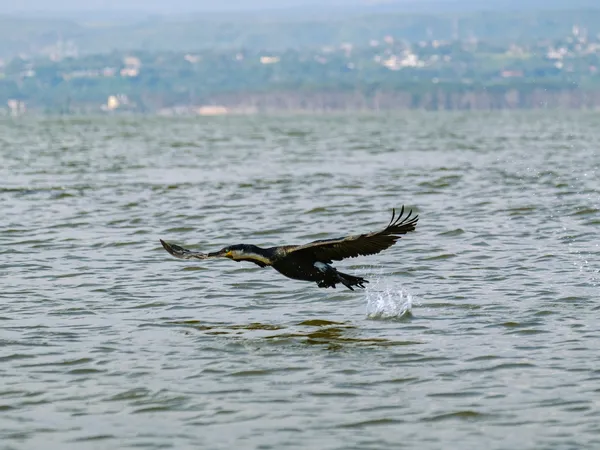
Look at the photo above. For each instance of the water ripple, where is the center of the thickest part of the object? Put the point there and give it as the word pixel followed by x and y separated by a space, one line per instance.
pixel 484 320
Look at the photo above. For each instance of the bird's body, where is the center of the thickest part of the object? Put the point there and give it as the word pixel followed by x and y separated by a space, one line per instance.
pixel 312 261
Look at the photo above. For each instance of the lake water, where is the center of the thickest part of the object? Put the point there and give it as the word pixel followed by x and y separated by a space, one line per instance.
pixel 479 330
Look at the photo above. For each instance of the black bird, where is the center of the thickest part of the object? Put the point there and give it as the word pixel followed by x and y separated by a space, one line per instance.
pixel 311 262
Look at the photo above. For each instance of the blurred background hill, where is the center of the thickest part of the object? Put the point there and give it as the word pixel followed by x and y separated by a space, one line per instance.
pixel 255 55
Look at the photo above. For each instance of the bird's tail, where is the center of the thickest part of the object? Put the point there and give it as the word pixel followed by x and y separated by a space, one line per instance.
pixel 351 280
pixel 182 253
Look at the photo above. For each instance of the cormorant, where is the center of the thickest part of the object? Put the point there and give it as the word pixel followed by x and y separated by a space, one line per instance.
pixel 311 262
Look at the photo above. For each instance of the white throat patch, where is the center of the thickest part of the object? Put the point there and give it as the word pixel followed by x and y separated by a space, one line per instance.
pixel 249 256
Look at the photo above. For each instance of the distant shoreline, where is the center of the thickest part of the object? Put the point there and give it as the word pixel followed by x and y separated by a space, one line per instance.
pixel 480 61
pixel 323 102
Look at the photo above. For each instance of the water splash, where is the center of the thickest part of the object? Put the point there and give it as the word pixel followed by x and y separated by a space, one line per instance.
pixel 388 301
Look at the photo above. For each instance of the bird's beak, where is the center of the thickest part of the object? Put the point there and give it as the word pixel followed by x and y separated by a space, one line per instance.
pixel 220 254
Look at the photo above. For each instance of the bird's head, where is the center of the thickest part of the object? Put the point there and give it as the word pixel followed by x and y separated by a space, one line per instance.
pixel 235 252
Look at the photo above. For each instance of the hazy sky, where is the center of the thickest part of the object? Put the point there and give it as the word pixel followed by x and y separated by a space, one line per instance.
pixel 60 7
pixel 163 6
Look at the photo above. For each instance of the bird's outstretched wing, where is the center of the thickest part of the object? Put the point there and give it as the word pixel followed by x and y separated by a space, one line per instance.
pixel 182 253
pixel 329 250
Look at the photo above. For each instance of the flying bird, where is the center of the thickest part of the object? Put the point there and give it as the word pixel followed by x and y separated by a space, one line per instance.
pixel 312 261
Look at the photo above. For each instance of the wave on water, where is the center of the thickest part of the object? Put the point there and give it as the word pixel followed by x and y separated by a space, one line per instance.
pixel 386 300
